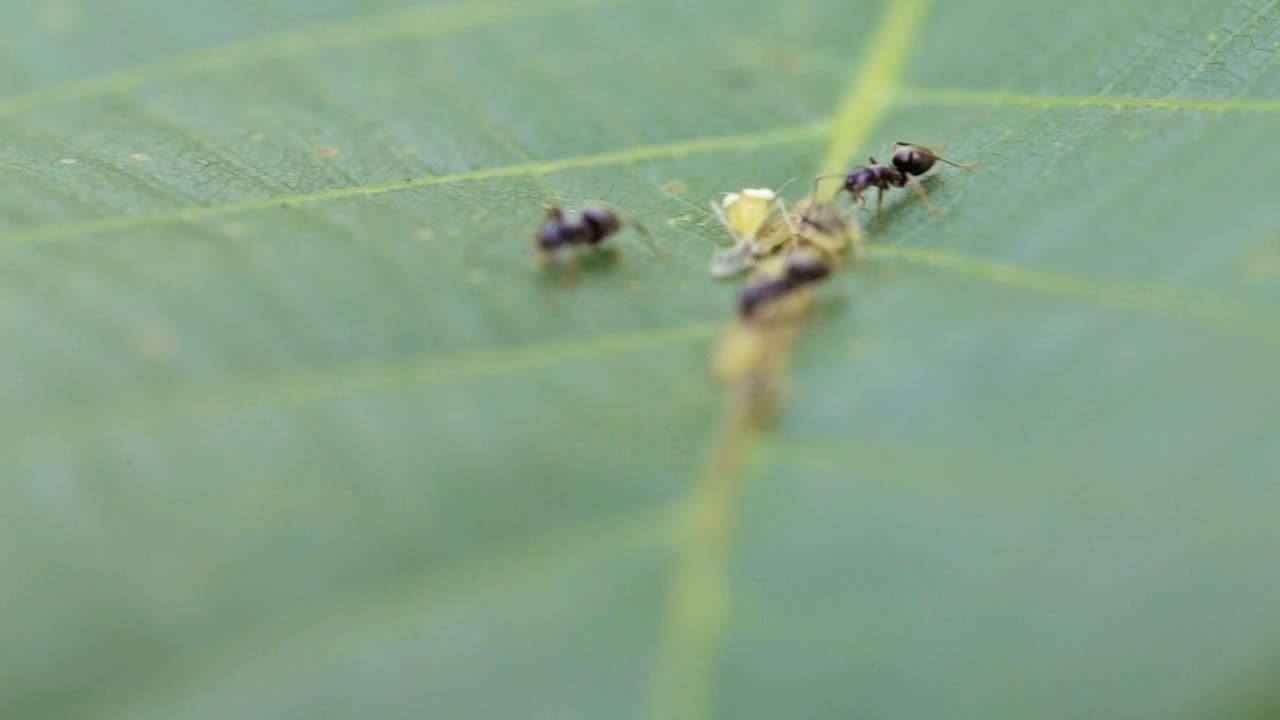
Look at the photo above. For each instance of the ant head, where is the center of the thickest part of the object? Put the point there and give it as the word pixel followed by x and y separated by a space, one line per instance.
pixel 913 159
pixel 858 181
pixel 554 231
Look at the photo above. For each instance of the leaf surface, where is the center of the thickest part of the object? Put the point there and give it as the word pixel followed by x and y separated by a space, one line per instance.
pixel 295 428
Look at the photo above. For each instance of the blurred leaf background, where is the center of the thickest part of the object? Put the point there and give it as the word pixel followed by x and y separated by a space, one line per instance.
pixel 293 428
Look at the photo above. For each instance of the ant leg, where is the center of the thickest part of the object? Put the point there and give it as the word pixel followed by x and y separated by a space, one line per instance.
pixel 718 210
pixel 962 166
pixel 569 273
pixel 788 218
pixel 934 150
pixel 547 260
pixel 648 239
pixel 924 195
pixel 879 208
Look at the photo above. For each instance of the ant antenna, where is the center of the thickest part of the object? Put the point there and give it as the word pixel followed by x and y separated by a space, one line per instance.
pixel 820 178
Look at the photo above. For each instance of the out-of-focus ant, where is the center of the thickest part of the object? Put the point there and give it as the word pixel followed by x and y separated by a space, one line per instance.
pixel 593 226
pixel 783 278
pixel 909 161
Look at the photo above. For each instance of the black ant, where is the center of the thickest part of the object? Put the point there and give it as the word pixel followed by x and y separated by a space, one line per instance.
pixel 799 270
pixel 593 226
pixel 909 161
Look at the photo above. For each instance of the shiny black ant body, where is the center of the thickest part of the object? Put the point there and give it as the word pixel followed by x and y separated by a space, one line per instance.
pixel 909 161
pixel 799 270
pixel 593 226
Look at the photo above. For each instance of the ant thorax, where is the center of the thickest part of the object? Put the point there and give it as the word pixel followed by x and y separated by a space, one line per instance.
pixel 556 233
pixel 591 227
pixel 875 175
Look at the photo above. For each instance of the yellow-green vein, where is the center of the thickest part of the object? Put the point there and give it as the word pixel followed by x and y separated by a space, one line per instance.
pixel 745 141
pixel 957 97
pixel 696 614
pixel 414 21
pixel 874 82
pixel 1210 58
pixel 1257 323
pixel 697 609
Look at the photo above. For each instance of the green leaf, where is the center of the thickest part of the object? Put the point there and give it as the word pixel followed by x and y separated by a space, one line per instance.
pixel 295 428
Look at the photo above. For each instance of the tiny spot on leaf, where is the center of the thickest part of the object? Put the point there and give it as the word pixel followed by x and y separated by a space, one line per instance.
pixel 156 344
pixel 675 186
pixel 327 151
pixel 1262 265
pixel 860 347
pixel 140 156
pixel 69 161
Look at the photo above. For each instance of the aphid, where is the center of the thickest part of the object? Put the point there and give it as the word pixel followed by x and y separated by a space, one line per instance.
pixel 909 161
pixel 781 279
pixel 743 213
pixel 750 217
pixel 593 226
pixel 823 227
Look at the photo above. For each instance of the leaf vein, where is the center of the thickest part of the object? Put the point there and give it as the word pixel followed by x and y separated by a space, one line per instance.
pixel 1206 309
pixel 415 21
pixel 961 97
pixel 696 616
pixel 745 141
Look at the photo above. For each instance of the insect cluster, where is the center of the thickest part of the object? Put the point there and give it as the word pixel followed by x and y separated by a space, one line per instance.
pixel 787 251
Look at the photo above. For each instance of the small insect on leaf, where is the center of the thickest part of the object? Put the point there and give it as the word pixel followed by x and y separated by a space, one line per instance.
pixel 749 216
pixel 823 227
pixel 745 212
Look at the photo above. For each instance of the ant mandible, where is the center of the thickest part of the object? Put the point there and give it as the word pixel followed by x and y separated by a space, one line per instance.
pixel 909 161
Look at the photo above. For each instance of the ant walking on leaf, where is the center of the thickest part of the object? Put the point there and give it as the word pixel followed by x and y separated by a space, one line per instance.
pixel 593 226
pixel 910 161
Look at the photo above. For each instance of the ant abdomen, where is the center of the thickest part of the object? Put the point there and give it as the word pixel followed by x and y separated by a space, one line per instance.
pixel 602 222
pixel 798 271
pixel 913 159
